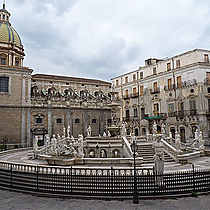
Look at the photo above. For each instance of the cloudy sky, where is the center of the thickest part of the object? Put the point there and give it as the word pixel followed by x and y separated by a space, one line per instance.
pixel 104 38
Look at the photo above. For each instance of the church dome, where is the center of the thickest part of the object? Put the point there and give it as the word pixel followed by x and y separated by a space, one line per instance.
pixel 8 35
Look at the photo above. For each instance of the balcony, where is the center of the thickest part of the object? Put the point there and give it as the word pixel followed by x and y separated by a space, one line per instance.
pixel 183 113
pixel 126 97
pixel 155 91
pixel 155 116
pixel 169 88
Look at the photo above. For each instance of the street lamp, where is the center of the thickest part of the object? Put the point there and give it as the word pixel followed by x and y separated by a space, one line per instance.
pixel 135 193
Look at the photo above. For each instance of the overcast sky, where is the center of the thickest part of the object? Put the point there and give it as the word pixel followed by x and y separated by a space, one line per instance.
pixel 105 38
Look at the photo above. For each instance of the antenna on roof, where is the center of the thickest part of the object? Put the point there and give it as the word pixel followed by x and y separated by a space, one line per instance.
pixel 4 3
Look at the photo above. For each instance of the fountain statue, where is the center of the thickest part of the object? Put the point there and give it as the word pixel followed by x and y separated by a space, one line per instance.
pixel 177 141
pixel 89 130
pixel 159 167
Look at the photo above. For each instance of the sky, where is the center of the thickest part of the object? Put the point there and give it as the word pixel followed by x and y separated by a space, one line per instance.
pixel 101 39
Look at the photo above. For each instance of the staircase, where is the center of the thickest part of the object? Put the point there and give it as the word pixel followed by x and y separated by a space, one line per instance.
pixel 146 151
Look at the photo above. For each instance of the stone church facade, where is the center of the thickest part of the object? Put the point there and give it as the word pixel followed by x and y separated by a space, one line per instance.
pixel 44 104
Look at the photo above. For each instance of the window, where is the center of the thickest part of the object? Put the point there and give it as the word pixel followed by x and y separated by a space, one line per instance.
pixel 169 84
pixel 179 81
pixel 127 114
pixel 3 17
pixel 39 120
pixel 208 89
pixel 156 109
pixel 3 61
pixel 141 75
pixel 117 82
pixel 170 108
pixel 137 75
pixel 126 79
pixel 109 121
pixel 59 121
pixel 168 66
pixel 94 121
pixel 192 104
pixel 208 78
pixel 17 62
pixel 4 84
pixel 134 77
pixel 77 121
pixel 67 83
pixel 135 112
pixel 178 64
pixel 154 70
pixel 126 93
pixel 142 113
pixel 134 91
pixel 206 58
pixel 155 86
pixel 141 90
pixel 208 105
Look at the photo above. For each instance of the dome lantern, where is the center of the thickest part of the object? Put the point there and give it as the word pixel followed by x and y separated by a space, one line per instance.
pixel 4 14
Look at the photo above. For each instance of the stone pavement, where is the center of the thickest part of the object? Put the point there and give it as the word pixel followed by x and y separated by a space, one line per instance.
pixel 19 201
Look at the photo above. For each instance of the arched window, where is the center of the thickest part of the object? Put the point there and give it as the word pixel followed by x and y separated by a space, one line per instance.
pixel 17 61
pixel 77 120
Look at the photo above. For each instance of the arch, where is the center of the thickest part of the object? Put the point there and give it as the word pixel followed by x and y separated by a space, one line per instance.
pixel 144 131
pixel 136 131
pixel 92 153
pixel 116 153
pixel 77 120
pixel 173 131
pixel 103 153
pixel 182 134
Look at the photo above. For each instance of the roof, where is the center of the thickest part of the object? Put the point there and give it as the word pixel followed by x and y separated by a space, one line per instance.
pixel 65 78
pixel 9 35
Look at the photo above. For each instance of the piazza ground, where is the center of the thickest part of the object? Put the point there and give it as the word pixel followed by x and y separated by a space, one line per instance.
pixel 19 201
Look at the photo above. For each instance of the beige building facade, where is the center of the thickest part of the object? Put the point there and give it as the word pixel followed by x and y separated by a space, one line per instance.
pixel 175 91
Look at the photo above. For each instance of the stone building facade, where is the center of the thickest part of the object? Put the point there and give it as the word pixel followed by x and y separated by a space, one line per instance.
pixel 44 104
pixel 175 91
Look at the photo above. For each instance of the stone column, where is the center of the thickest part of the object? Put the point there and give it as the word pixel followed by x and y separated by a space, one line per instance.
pixel 23 128
pixel 49 122
pixel 29 128
pixel 23 89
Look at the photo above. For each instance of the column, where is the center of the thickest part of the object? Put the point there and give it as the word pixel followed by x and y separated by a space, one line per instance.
pixel 23 127
pixel 29 128
pixel 50 122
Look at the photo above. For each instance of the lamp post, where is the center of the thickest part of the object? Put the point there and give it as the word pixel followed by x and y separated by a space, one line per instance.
pixel 135 193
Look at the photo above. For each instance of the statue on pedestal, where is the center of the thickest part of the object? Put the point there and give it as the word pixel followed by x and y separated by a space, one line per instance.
pixel 68 131
pixel 159 167
pixel 163 129
pixel 123 129
pixel 35 144
pixel 177 141
pixel 89 130
pixel 154 128
pixel 64 132
pixel 80 146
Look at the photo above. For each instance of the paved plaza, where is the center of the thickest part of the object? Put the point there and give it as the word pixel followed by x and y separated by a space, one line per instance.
pixel 19 201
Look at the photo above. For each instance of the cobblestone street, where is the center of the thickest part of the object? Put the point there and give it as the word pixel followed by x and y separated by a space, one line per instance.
pixel 19 201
